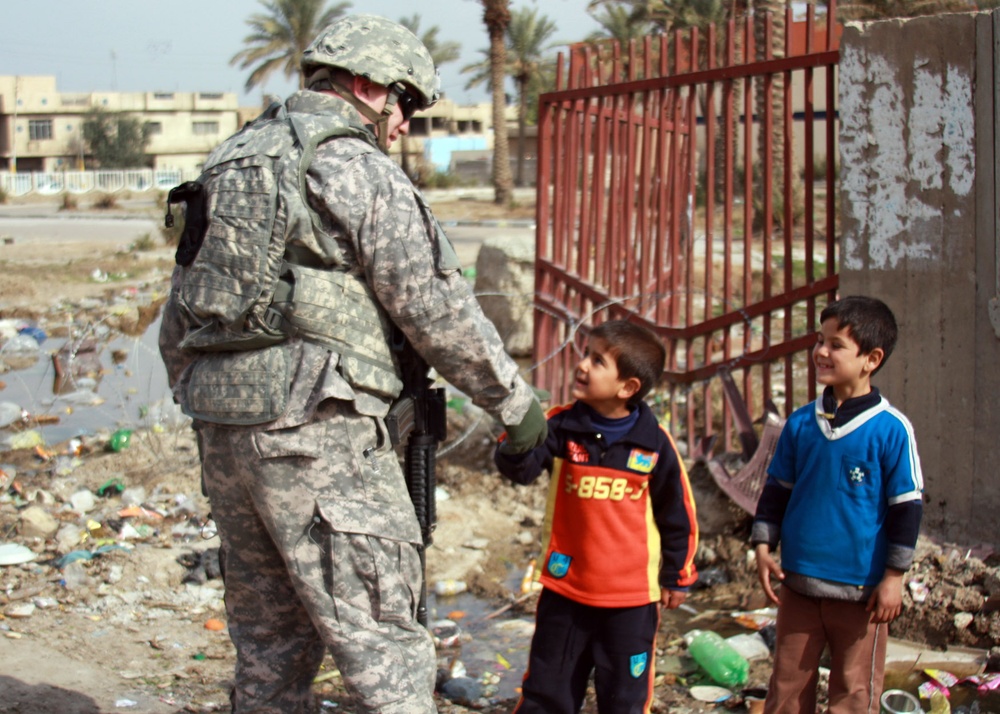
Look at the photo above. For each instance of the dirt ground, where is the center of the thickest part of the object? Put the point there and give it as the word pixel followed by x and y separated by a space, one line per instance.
pixel 120 607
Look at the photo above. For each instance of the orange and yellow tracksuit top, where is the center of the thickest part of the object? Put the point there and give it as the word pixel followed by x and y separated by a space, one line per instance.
pixel 620 522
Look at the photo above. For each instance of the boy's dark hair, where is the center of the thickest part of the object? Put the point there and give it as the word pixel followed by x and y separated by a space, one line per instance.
pixel 638 352
pixel 868 320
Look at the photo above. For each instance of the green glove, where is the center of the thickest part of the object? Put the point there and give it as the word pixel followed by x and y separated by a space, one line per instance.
pixel 543 395
pixel 531 432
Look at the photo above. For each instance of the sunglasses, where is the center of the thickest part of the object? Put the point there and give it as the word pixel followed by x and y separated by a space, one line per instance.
pixel 408 104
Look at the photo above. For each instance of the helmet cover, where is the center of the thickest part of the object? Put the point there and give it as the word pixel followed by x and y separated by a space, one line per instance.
pixel 378 49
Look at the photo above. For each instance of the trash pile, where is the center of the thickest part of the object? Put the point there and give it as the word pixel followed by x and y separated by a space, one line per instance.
pixel 952 597
pixel 75 505
pixel 108 527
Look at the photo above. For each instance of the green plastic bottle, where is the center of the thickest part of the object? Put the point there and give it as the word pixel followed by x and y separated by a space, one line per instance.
pixel 120 440
pixel 724 664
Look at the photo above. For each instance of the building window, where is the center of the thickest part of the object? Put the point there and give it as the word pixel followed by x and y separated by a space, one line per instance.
pixel 202 128
pixel 210 95
pixel 39 129
pixel 154 127
pixel 163 95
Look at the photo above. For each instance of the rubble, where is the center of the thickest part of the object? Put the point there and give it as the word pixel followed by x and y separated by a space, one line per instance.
pixel 107 552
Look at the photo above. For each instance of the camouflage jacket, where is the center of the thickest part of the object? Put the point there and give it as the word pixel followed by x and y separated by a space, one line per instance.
pixel 379 224
pixel 373 223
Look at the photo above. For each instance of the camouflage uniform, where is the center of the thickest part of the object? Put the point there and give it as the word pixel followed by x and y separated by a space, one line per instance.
pixel 319 538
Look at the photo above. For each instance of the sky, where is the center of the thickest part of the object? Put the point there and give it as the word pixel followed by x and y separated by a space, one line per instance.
pixel 186 45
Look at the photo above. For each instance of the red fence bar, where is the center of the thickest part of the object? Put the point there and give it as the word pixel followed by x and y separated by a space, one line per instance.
pixel 646 155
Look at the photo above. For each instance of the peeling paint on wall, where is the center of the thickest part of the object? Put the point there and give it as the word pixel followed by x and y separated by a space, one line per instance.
pixel 960 132
pixel 912 130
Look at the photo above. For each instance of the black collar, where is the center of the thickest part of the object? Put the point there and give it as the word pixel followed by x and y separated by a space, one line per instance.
pixel 645 433
pixel 838 416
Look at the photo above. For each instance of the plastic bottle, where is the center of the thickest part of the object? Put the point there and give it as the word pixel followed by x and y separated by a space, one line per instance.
pixel 449 587
pixel 939 704
pixel 75 575
pixel 120 440
pixel 717 657
pixel 9 413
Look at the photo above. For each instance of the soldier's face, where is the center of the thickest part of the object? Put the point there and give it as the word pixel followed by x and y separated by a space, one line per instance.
pixel 398 124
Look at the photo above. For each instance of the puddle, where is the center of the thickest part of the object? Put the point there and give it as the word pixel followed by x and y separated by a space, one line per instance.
pixel 497 647
pixel 129 390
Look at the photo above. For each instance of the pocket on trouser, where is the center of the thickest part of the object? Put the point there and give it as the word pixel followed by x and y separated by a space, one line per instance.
pixel 371 557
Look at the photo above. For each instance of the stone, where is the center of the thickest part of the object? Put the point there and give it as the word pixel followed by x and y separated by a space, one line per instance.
pixel 505 288
pixel 36 522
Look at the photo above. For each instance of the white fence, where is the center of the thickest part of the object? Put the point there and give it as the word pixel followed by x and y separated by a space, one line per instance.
pixel 79 182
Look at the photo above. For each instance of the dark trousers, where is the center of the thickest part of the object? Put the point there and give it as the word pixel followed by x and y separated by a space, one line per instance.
pixel 572 640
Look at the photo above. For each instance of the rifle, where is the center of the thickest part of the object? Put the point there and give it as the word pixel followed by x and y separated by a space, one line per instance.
pixel 418 416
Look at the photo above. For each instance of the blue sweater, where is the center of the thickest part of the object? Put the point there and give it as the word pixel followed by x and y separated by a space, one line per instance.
pixel 844 497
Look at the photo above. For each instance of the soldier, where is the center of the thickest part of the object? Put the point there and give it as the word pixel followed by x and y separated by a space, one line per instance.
pixel 320 545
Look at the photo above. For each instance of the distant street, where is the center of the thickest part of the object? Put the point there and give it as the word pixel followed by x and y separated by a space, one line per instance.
pixel 467 239
pixel 63 231
pixel 69 232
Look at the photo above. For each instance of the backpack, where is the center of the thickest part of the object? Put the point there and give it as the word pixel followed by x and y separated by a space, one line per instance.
pixel 248 202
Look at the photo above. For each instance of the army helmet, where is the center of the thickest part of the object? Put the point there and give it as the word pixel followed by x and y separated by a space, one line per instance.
pixel 377 49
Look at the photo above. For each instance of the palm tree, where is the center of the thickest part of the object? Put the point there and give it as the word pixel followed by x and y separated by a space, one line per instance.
pixel 618 23
pixel 440 52
pixel 529 36
pixel 496 16
pixel 526 41
pixel 280 35
pixel 774 155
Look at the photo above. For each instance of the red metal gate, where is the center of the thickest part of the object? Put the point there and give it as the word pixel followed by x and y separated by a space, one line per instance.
pixel 654 204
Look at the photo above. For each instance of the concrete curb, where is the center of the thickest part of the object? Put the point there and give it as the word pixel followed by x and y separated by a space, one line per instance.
pixel 11 212
pixel 513 223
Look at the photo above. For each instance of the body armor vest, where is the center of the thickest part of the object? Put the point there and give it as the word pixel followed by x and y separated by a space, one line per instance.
pixel 244 287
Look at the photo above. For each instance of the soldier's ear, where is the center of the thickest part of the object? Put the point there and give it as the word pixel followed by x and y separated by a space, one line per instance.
pixel 362 87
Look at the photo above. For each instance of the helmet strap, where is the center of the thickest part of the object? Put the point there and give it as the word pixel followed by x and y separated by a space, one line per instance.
pixel 321 80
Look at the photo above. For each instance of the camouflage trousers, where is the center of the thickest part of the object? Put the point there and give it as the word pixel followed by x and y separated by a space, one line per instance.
pixel 319 550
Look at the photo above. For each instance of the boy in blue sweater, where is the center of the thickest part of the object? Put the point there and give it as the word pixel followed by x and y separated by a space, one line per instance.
pixel 844 497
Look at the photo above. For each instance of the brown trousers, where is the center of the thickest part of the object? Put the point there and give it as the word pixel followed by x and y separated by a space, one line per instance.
pixel 806 625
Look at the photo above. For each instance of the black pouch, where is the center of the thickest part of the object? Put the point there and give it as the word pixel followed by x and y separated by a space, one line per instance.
pixel 192 193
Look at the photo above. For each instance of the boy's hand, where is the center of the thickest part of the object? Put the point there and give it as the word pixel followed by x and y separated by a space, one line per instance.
pixel 886 602
pixel 672 599
pixel 767 567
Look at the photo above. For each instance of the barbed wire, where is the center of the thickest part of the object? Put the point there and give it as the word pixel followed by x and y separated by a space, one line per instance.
pixel 574 325
pixel 140 356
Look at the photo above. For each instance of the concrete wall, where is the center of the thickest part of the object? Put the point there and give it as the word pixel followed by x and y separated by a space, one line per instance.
pixel 918 152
